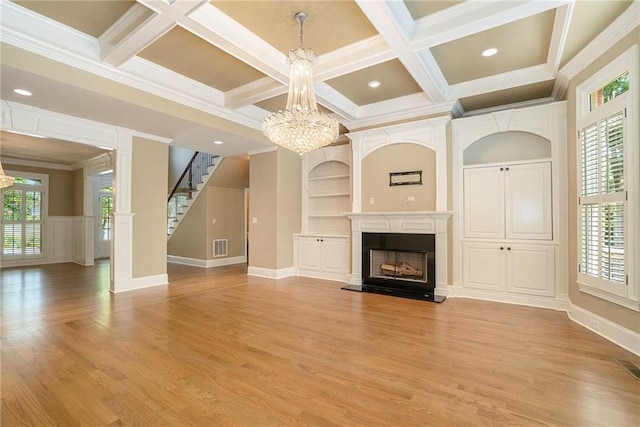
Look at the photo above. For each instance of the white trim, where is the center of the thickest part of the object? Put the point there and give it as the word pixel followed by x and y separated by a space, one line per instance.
pixel 505 298
pixel 206 263
pixel 141 283
pixel 602 294
pixel 262 150
pixel 270 273
pixel 34 164
pixel 619 335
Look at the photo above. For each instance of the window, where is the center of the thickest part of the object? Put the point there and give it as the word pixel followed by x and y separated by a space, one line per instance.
pixel 608 183
pixel 23 216
pixel 106 208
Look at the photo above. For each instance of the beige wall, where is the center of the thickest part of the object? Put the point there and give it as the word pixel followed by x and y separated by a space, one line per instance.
pixel 398 158
pixel 613 312
pixel 223 200
pixel 78 193
pixel 226 205
pixel 276 187
pixel 190 238
pixel 263 181
pixel 61 189
pixel 149 204
pixel 289 204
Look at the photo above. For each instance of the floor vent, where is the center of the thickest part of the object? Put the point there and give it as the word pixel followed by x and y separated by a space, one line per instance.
pixel 630 367
pixel 220 247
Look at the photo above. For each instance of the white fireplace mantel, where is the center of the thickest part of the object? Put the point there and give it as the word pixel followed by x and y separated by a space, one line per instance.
pixel 419 222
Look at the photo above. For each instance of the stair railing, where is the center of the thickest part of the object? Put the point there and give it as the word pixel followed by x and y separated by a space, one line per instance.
pixel 194 171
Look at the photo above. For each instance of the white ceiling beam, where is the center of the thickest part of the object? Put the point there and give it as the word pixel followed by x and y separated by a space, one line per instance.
pixel 559 35
pixel 357 56
pixel 253 92
pixel 335 101
pixel 129 35
pixel 473 17
pixel 385 23
pixel 511 79
pixel 222 31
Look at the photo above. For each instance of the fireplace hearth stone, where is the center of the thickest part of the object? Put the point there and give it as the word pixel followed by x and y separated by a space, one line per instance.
pixel 395 292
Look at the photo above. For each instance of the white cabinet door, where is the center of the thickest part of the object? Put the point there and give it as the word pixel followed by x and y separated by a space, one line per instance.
pixel 530 269
pixel 528 201
pixel 309 253
pixel 484 202
pixel 484 266
pixel 334 255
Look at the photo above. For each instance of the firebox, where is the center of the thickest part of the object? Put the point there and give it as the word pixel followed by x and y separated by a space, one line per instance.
pixel 400 264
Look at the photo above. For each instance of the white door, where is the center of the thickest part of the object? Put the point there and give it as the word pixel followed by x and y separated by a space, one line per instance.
pixel 484 202
pixel 334 255
pixel 528 201
pixel 309 253
pixel 530 269
pixel 484 266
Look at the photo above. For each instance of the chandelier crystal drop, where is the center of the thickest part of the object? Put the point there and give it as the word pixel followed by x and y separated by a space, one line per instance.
pixel 301 127
pixel 5 180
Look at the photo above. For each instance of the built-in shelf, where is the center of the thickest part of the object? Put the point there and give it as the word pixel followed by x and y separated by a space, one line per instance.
pixel 320 178
pixel 330 195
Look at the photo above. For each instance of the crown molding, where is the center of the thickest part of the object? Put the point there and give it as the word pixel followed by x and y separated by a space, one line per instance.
pixel 515 105
pixel 611 35
pixel 35 164
pixel 262 150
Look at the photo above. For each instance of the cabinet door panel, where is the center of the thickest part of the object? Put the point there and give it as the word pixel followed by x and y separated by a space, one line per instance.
pixel 528 201
pixel 309 253
pixel 334 255
pixel 483 266
pixel 484 203
pixel 531 270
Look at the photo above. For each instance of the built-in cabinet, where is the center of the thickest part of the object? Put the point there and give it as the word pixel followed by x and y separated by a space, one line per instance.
pixel 508 201
pixel 321 256
pixel 322 249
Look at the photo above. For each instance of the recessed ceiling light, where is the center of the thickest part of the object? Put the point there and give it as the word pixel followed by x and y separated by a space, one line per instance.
pixel 22 92
pixel 374 84
pixel 217 142
pixel 489 52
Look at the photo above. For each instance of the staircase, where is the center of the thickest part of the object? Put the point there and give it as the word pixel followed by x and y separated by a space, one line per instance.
pixel 186 190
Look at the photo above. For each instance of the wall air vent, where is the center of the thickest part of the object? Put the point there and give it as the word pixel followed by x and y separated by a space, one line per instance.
pixel 220 247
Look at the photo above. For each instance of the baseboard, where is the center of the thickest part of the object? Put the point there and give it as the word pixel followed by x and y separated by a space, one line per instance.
pixel 323 275
pixel 271 273
pixel 141 283
pixel 32 262
pixel 528 300
pixel 206 263
pixel 613 332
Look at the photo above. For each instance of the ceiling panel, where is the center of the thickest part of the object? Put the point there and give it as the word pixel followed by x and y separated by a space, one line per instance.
pixel 394 78
pixel 521 44
pixel 329 26
pixel 199 60
pixel 30 148
pixel 588 20
pixel 508 96
pixel 421 8
pixel 92 17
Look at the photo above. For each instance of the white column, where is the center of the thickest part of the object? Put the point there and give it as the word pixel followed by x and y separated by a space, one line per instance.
pixel 356 174
pixel 122 243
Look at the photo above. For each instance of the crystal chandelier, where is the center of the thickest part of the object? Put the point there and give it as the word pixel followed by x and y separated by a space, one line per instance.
pixel 301 127
pixel 5 180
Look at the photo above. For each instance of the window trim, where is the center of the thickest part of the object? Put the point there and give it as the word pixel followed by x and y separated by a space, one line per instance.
pixel 44 188
pixel 626 61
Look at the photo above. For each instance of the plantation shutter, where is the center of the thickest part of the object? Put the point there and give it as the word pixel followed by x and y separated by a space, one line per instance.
pixel 22 222
pixel 602 201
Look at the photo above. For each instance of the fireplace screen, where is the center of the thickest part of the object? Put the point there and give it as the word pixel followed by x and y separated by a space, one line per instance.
pixel 398 265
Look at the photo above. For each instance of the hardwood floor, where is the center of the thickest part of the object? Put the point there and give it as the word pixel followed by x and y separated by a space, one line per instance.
pixel 216 347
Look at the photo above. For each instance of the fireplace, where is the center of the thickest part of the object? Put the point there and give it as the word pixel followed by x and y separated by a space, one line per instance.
pixel 400 264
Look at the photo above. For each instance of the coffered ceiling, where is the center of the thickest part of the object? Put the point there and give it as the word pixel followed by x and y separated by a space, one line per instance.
pixel 202 70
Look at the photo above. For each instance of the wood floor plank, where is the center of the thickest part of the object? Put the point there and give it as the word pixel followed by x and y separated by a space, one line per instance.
pixel 217 347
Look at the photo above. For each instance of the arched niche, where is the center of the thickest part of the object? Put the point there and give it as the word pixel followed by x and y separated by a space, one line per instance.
pixel 508 146
pixel 398 157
